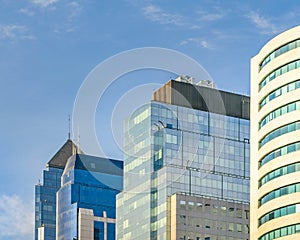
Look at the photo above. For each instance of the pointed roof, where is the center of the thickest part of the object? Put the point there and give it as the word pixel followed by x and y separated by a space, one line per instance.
pixel 59 160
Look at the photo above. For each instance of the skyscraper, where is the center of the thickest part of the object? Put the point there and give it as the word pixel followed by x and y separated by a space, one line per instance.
pixel 86 201
pixel 45 194
pixel 186 166
pixel 275 139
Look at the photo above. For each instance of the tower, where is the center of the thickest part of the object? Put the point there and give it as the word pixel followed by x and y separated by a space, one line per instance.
pixel 86 200
pixel 186 166
pixel 275 139
pixel 45 193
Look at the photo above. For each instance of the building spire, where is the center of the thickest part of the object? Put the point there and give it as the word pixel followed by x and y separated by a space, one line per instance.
pixel 78 139
pixel 69 132
pixel 74 148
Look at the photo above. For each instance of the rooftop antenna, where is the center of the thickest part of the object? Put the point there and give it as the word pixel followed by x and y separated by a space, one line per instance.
pixel 74 150
pixel 78 139
pixel 69 133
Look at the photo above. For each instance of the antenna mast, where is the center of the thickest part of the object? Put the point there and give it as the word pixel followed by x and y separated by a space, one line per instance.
pixel 69 133
pixel 78 139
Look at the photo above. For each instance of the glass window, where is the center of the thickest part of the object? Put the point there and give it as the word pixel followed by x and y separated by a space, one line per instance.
pixel 284 69
pixel 279 172
pixel 278 112
pixel 283 232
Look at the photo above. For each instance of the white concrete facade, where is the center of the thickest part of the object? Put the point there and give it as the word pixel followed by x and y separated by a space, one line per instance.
pixel 86 221
pixel 85 224
pixel 41 233
pixel 275 160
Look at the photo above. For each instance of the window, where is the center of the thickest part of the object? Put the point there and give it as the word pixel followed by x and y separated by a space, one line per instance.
pixel 280 152
pixel 276 73
pixel 279 172
pixel 230 227
pixel 279 112
pixel 278 52
pixel 279 192
pixel 279 132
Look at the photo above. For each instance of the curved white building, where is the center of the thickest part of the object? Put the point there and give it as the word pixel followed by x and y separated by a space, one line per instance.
pixel 275 139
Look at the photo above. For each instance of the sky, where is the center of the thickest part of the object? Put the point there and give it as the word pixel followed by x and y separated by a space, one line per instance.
pixel 48 48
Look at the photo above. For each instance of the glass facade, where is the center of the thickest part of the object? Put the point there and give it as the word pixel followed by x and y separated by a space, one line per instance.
pixel 90 183
pixel 45 202
pixel 45 195
pixel 172 149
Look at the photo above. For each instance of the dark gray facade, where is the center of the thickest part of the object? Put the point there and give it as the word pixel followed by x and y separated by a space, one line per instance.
pixel 204 99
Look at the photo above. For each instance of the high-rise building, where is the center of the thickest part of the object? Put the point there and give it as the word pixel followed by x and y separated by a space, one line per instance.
pixel 86 201
pixel 45 194
pixel 186 166
pixel 275 139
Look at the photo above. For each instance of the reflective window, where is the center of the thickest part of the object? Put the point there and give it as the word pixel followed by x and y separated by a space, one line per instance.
pixel 280 192
pixel 285 48
pixel 278 72
pixel 279 172
pixel 280 131
pixel 281 232
pixel 279 91
pixel 280 212
pixel 279 152
pixel 279 112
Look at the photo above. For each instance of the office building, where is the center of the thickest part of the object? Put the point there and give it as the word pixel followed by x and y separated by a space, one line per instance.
pixel 45 193
pixel 86 201
pixel 275 139
pixel 186 166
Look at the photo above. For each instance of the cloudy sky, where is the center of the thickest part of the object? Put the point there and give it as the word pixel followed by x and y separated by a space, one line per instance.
pixel 48 47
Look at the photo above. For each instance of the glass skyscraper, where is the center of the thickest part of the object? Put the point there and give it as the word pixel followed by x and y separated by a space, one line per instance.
pixel 45 194
pixel 186 166
pixel 86 201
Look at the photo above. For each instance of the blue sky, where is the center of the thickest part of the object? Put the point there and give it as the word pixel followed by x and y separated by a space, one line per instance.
pixel 48 47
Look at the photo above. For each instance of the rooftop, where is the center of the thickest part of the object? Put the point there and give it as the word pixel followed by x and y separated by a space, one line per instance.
pixel 60 159
pixel 203 98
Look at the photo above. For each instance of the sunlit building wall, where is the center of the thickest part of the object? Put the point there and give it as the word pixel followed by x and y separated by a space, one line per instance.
pixel 275 139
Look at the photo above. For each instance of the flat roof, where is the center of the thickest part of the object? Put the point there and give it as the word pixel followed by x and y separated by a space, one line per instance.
pixel 203 98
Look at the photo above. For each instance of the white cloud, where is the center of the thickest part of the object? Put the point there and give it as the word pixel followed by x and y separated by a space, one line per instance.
pixel 156 14
pixel 16 217
pixel 262 23
pixel 204 16
pixel 193 27
pixel 44 3
pixel 75 9
pixel 14 32
pixel 198 42
pixel 26 11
